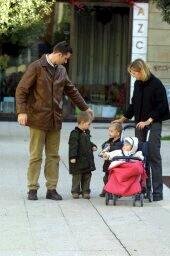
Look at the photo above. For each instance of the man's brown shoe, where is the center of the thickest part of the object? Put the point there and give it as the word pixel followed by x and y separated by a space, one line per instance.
pixel 86 196
pixel 53 195
pixel 32 194
pixel 75 196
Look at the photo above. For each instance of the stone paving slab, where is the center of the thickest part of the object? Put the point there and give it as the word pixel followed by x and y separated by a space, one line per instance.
pixel 73 227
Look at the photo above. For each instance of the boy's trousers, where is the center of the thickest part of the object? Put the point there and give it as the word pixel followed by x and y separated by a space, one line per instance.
pixel 39 140
pixel 81 183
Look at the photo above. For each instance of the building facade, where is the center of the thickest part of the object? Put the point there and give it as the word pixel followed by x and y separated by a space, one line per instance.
pixel 105 36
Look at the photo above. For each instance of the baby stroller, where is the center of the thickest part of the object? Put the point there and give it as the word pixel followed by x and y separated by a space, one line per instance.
pixel 130 185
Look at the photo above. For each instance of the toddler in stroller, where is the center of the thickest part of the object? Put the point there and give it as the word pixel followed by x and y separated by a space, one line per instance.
pixel 127 176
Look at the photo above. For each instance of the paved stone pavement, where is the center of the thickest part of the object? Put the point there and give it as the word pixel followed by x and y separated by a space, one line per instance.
pixel 74 227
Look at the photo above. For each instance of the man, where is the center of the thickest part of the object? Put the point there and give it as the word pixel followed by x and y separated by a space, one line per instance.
pixel 39 106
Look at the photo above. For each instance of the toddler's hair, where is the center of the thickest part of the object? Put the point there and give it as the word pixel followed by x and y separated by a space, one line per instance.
pixel 83 117
pixel 117 126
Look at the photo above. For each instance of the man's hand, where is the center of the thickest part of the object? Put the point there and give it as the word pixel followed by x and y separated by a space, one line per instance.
pixel 22 119
pixel 90 112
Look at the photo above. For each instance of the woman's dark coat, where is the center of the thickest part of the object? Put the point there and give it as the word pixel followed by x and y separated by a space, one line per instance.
pixel 80 148
pixel 149 100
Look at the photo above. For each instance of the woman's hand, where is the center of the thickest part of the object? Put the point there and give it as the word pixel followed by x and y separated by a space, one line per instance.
pixel 120 120
pixel 142 125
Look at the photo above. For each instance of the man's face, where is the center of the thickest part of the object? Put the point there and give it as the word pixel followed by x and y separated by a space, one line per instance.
pixel 63 58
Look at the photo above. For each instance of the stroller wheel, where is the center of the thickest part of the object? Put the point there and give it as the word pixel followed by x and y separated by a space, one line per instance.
pixel 141 200
pixel 107 197
pixel 114 199
pixel 148 195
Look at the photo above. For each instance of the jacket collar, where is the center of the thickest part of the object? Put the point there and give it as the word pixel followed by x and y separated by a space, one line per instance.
pixel 150 79
pixel 112 140
pixel 49 61
pixel 44 61
pixel 79 130
pixel 147 82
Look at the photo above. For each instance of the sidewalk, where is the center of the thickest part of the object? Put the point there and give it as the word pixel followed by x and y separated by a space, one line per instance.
pixel 74 227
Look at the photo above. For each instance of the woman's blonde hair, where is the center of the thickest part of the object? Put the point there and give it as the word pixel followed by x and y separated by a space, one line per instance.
pixel 140 66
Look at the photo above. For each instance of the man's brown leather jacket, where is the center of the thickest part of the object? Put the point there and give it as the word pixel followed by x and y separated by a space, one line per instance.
pixel 40 92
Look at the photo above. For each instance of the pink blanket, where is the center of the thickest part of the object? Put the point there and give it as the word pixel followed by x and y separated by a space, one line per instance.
pixel 126 179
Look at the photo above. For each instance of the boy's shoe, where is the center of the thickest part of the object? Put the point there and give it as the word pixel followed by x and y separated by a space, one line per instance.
pixel 32 194
pixel 75 196
pixel 53 195
pixel 86 196
pixel 137 197
pixel 102 194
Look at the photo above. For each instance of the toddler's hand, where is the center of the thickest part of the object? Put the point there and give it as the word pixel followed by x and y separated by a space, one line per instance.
pixel 101 154
pixel 106 148
pixel 105 156
pixel 73 161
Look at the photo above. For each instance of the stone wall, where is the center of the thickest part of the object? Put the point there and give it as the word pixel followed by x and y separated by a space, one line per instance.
pixel 158 55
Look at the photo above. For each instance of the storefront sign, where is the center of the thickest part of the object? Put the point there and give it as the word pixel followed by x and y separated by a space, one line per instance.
pixel 139 34
pixel 161 67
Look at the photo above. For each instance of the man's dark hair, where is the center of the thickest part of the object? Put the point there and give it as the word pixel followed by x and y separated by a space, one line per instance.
pixel 62 47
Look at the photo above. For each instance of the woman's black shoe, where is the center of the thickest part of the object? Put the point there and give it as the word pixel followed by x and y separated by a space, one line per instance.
pixel 157 198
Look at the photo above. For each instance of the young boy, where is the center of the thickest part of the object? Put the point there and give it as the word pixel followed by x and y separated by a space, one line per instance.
pixel 81 159
pixel 114 143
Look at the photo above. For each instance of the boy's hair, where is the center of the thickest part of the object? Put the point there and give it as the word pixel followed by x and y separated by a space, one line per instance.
pixel 117 126
pixel 62 47
pixel 83 117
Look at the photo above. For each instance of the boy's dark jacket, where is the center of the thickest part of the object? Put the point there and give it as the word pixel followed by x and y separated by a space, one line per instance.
pixel 114 145
pixel 80 148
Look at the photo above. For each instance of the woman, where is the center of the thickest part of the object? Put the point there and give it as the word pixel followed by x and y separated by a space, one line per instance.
pixel 149 107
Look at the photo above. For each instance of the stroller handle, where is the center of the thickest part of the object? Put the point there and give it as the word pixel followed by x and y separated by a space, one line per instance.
pixel 129 126
pixel 127 158
pixel 133 126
